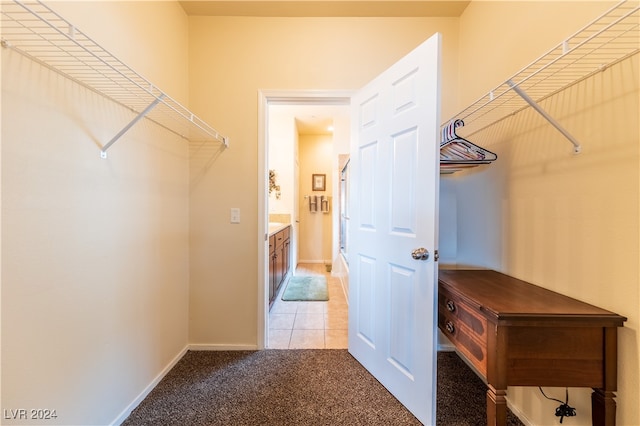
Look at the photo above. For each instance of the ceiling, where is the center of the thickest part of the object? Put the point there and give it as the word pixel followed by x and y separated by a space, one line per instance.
pixel 309 119
pixel 314 124
pixel 326 8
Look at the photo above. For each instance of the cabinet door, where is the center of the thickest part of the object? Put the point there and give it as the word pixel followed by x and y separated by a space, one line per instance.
pixel 286 257
pixel 272 269
pixel 272 278
pixel 279 266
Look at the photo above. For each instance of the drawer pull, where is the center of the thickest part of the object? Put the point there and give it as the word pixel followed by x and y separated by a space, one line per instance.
pixel 451 307
pixel 450 327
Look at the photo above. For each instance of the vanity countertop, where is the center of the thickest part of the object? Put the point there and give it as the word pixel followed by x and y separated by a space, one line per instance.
pixel 275 227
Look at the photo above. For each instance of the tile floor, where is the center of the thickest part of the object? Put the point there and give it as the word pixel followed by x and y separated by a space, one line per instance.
pixel 310 325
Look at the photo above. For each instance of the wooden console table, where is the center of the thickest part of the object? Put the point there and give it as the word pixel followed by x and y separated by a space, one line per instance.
pixel 517 334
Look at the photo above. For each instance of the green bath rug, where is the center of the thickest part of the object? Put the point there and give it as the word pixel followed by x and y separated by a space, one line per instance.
pixel 306 289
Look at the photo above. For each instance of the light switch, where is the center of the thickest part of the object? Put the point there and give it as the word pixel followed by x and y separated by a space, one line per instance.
pixel 235 215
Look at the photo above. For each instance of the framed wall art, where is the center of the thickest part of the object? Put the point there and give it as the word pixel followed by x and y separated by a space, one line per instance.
pixel 318 182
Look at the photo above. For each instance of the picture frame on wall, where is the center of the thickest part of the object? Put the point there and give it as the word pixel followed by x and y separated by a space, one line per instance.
pixel 318 182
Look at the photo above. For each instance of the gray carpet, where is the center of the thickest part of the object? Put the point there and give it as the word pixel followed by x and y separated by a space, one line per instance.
pixel 298 387
pixel 462 396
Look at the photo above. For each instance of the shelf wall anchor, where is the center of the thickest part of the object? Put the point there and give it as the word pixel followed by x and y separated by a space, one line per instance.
pixel 542 112
pixel 152 105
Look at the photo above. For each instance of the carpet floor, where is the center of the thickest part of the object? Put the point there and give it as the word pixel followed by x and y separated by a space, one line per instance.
pixel 299 387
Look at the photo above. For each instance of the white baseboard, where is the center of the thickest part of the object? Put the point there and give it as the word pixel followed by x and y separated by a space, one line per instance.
pixel 341 271
pixel 444 344
pixel 446 347
pixel 213 347
pixel 345 289
pixel 125 413
pixel 194 347
pixel 320 262
pixel 524 419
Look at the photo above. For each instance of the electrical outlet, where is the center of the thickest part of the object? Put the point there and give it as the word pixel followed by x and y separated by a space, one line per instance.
pixel 235 215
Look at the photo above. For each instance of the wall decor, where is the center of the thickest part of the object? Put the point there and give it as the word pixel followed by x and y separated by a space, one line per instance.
pixel 273 185
pixel 318 182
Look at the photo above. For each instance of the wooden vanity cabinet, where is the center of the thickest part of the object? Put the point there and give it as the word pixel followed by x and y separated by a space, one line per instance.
pixel 279 261
pixel 518 334
pixel 286 254
pixel 272 267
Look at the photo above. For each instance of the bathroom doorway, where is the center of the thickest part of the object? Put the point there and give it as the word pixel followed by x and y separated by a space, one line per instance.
pixel 300 157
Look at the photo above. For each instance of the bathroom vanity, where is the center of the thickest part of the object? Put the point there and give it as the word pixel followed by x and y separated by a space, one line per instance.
pixel 279 257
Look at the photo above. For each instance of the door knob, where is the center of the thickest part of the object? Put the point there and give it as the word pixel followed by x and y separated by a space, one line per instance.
pixel 420 254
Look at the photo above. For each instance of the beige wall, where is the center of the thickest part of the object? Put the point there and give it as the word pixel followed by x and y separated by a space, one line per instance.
pixel 499 38
pixel 341 142
pixel 563 221
pixel 282 159
pixel 315 242
pixel 149 36
pixel 231 59
pixel 95 253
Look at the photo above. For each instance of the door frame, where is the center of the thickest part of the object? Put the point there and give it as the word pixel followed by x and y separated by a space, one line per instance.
pixel 265 99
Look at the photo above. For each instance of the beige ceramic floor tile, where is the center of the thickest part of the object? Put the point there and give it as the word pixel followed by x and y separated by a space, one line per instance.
pixel 307 339
pixel 282 307
pixel 338 297
pixel 336 339
pixel 309 322
pixel 316 325
pixel 310 269
pixel 279 339
pixel 311 307
pixel 337 309
pixel 281 321
pixel 336 321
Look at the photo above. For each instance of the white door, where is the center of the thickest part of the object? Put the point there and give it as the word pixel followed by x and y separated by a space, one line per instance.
pixel 394 196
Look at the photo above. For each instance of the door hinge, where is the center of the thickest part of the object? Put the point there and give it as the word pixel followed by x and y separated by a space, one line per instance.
pixel 436 256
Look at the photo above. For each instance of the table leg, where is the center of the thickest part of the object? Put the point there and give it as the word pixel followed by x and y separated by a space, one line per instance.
pixel 603 408
pixel 496 407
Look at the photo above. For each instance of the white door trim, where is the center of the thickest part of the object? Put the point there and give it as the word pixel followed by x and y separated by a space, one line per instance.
pixel 266 98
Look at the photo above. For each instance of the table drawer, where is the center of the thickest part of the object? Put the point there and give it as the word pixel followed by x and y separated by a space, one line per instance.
pixel 464 326
pixel 459 311
pixel 465 341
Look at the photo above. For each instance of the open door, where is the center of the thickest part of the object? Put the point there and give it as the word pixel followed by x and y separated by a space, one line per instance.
pixel 393 235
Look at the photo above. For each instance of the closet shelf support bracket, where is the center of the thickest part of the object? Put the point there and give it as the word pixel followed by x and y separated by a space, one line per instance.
pixel 125 129
pixel 542 112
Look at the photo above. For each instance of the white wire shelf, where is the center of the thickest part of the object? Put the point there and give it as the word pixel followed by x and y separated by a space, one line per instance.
pixel 610 38
pixel 36 31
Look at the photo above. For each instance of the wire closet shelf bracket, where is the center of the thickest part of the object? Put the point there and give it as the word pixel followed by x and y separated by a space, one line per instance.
pixel 36 31
pixel 609 39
